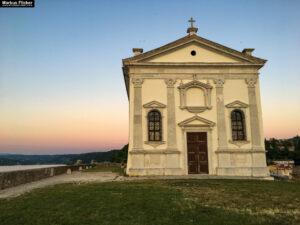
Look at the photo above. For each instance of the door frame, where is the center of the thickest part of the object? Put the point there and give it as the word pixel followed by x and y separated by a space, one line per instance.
pixel 206 138
pixel 208 131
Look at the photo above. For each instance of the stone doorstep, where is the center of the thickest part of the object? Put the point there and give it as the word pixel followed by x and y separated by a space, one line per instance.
pixel 200 176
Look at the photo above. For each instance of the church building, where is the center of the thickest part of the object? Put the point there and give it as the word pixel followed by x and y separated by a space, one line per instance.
pixel 194 108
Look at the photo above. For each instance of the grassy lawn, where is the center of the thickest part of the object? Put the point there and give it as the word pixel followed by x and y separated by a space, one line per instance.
pixel 156 202
pixel 118 170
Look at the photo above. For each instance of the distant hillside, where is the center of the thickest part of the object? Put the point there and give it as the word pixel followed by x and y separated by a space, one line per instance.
pixel 9 162
pixel 96 156
pixel 19 159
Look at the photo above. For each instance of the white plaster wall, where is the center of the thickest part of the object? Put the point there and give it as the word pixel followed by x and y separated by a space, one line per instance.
pixel 154 89
pixel 195 97
pixel 237 90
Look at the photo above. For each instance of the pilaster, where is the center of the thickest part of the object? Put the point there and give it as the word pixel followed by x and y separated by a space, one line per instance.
pixel 221 123
pixel 254 118
pixel 137 114
pixel 171 120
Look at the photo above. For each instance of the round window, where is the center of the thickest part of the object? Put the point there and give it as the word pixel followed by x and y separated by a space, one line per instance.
pixel 193 53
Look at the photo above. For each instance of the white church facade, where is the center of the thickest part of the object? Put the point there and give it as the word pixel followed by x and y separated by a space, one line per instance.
pixel 194 108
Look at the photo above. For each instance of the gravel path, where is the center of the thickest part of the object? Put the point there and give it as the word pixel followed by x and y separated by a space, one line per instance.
pixel 75 177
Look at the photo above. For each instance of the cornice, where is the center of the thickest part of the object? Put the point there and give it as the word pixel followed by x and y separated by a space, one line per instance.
pixel 154 105
pixel 237 104
pixel 188 64
pixel 195 83
pixel 154 151
pixel 240 151
pixel 206 123
pixel 202 41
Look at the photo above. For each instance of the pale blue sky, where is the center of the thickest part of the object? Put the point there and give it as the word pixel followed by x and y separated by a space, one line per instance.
pixel 64 57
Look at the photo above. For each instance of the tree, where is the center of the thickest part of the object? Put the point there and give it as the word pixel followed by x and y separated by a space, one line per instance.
pixel 121 155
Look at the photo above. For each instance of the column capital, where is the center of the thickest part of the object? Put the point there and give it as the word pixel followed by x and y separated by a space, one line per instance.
pixel 170 82
pixel 251 82
pixel 137 82
pixel 219 82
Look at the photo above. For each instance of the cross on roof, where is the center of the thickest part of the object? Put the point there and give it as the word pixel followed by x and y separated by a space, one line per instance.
pixel 192 21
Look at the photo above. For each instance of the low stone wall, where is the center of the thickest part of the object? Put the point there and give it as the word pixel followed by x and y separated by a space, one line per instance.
pixel 14 178
pixel 296 173
pixel 110 164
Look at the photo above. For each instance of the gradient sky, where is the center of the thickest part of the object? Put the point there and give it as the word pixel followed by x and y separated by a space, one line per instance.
pixel 61 83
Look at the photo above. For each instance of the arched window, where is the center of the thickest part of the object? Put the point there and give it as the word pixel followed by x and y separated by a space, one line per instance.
pixel 238 125
pixel 154 126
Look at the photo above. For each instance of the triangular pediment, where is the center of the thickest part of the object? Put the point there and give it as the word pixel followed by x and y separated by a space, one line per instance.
pixel 196 121
pixel 237 104
pixel 154 104
pixel 205 52
pixel 195 83
pixel 193 52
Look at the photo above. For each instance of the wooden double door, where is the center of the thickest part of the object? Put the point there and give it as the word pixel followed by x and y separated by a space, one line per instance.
pixel 197 152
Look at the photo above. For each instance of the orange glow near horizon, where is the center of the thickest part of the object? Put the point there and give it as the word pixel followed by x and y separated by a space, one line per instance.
pixel 278 125
pixel 44 131
pixel 63 132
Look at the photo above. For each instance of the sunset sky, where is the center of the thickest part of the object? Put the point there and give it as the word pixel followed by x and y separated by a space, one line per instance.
pixel 61 82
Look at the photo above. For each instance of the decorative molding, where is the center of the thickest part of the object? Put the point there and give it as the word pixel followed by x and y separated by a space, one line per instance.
pixel 196 109
pixel 161 171
pixel 154 151
pixel 195 64
pixel 170 82
pixel 204 122
pixel 137 82
pixel 229 151
pixel 154 144
pixel 200 76
pixel 251 82
pixel 206 88
pixel 194 76
pixel 237 104
pixel 196 84
pixel 154 105
pixel 239 143
pixel 219 82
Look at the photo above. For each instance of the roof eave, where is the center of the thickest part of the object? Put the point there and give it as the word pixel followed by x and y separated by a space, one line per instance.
pixel 183 64
pixel 187 39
